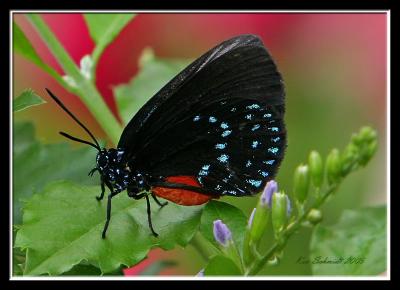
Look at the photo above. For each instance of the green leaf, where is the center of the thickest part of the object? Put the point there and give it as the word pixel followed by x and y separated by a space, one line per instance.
pixel 221 266
pixel 27 99
pixel 357 243
pixel 153 75
pixel 62 227
pixel 36 164
pixel 83 270
pixel 233 217
pixel 103 29
pixel 18 262
pixel 22 45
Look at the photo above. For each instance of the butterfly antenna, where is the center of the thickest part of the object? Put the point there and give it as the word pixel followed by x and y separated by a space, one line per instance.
pixel 97 146
pixel 78 140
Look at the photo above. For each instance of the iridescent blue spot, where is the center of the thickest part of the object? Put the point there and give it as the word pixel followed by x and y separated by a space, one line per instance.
pixel 196 118
pixel 248 116
pixel 273 150
pixel 203 172
pixel 248 164
pixel 272 121
pixel 233 109
pixel 273 129
pixel 253 106
pixel 267 115
pixel 255 183
pixel 225 180
pixel 232 192
pixel 226 133
pixel 206 167
pixel 141 182
pixel 255 144
pixel 224 125
pixel 255 127
pixel 218 187
pixel 223 158
pixel 212 119
pixel 275 139
pixel 220 146
pixel 263 173
pixel 269 162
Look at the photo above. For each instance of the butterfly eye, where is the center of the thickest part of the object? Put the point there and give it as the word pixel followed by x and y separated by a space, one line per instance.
pixel 102 161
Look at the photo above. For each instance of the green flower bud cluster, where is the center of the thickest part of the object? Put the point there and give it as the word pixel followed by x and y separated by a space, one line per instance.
pixel 360 150
pixel 272 204
pixel 337 165
pixel 313 183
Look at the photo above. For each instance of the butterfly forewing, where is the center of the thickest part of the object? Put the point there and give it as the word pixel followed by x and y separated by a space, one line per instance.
pixel 224 127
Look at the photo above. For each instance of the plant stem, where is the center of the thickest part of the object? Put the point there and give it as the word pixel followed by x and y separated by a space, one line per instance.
pixel 84 87
pixel 202 247
pixel 287 233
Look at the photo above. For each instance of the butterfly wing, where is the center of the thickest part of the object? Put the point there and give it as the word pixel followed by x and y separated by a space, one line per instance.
pixel 220 120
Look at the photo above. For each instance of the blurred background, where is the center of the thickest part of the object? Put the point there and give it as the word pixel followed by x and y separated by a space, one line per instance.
pixel 333 65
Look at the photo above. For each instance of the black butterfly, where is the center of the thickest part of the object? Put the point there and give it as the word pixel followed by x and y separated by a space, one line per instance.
pixel 215 129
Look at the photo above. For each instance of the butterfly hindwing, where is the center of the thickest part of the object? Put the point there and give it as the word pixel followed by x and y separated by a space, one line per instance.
pixel 220 120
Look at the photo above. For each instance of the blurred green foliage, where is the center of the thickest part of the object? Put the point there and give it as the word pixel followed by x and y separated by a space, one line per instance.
pixel 363 232
pixel 36 164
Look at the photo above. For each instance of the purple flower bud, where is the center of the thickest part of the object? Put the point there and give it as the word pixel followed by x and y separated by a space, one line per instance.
pixel 201 273
pixel 251 218
pixel 221 233
pixel 266 196
pixel 288 206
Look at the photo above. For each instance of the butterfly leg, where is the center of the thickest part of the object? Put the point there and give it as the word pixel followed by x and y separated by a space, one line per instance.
pixel 110 196
pixel 139 196
pixel 103 189
pixel 161 204
pixel 149 216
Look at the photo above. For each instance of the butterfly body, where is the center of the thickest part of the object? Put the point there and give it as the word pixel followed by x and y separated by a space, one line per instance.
pixel 215 129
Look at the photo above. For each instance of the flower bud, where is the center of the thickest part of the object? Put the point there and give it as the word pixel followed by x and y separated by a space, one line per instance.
pixel 372 147
pixel 274 261
pixel 301 183
pixel 70 81
pixel 314 216
pixel 367 134
pixel 367 152
pixel 266 196
pixel 279 212
pixel 333 166
pixel 146 56
pixel 250 222
pixel 349 157
pixel 222 234
pixel 316 168
pixel 86 65
pixel 259 217
pixel 288 207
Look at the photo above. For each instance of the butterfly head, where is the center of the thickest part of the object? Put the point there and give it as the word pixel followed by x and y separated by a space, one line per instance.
pixel 109 158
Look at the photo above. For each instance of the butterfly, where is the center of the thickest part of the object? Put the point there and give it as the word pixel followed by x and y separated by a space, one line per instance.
pixel 216 129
